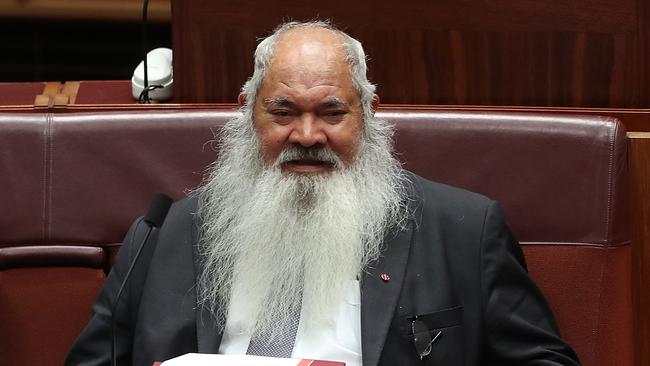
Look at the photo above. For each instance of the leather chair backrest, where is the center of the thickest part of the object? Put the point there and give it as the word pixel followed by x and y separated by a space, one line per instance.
pixel 563 184
pixel 78 180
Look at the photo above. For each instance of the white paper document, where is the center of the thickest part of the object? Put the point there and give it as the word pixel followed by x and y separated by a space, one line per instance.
pixel 200 359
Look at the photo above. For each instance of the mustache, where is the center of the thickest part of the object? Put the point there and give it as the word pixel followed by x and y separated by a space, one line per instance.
pixel 320 153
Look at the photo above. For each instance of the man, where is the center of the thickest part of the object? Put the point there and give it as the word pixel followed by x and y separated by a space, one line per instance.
pixel 309 233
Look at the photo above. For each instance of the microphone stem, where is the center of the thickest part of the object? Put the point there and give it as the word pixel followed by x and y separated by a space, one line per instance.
pixel 119 294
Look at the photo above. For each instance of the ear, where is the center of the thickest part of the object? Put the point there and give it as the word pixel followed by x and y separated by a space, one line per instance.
pixel 375 102
pixel 241 99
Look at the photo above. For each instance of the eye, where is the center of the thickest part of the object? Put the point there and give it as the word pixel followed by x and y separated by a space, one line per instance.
pixel 335 113
pixel 281 116
pixel 333 116
pixel 280 112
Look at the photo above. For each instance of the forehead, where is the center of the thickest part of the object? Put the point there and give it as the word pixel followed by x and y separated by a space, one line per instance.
pixel 310 44
pixel 308 58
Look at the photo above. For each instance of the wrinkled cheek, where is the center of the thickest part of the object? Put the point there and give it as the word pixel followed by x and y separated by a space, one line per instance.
pixel 270 142
pixel 350 153
pixel 270 150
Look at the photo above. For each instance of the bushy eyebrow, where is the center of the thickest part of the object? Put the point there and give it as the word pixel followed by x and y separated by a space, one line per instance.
pixel 278 101
pixel 332 102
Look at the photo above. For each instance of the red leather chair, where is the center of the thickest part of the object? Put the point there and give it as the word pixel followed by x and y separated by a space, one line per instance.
pixel 563 184
pixel 77 180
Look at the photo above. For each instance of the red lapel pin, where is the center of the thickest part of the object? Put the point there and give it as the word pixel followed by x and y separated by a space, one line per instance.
pixel 385 277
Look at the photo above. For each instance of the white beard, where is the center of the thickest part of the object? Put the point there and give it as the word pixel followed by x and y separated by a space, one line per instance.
pixel 271 239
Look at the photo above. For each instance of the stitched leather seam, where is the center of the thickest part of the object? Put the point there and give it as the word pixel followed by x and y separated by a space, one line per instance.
pixel 610 178
pixel 45 235
pixel 50 185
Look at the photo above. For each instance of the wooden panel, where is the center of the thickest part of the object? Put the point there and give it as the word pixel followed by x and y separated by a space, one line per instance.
pixel 582 53
pixel 158 10
pixel 643 48
pixel 639 158
pixel 19 93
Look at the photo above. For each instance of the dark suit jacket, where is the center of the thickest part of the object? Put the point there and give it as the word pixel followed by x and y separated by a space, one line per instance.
pixel 457 268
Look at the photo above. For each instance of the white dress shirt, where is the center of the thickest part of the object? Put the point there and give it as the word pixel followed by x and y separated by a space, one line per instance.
pixel 339 341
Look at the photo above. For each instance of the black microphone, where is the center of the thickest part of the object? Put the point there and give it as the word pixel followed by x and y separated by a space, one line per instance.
pixel 155 216
pixel 158 209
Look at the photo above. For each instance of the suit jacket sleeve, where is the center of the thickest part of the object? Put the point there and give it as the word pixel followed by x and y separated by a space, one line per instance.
pixel 93 346
pixel 520 327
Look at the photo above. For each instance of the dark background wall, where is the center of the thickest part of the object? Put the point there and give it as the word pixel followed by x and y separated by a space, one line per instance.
pixel 61 40
pixel 60 50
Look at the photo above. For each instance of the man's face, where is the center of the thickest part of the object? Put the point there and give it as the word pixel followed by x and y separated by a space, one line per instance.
pixel 307 99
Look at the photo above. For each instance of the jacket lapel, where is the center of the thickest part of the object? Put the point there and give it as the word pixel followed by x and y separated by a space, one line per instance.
pixel 379 295
pixel 208 335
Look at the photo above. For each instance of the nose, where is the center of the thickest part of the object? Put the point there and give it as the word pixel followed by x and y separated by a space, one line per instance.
pixel 308 131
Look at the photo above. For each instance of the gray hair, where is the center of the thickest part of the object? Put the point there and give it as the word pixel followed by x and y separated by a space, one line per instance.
pixel 355 57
